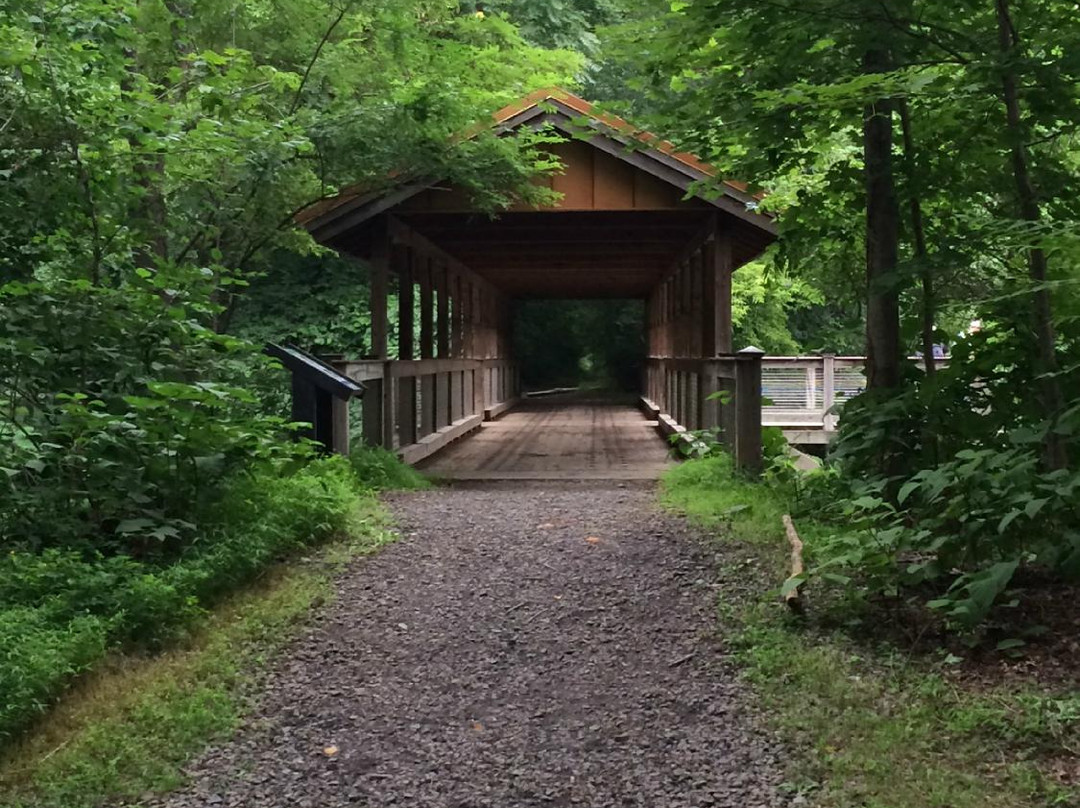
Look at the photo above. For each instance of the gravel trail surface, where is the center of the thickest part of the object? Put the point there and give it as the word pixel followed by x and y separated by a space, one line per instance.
pixel 526 644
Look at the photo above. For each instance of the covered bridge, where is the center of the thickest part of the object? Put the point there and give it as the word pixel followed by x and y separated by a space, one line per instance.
pixel 635 219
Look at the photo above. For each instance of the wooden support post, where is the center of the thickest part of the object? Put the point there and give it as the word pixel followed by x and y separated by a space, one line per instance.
pixel 372 417
pixel 304 406
pixel 716 295
pixel 402 260
pixel 380 282
pixel 748 409
pixel 828 391
pixel 710 384
pixel 477 321
pixel 389 407
pixel 442 329
pixel 475 393
pixel 457 388
pixel 467 319
pixel 427 347
pixel 728 414
pixel 427 309
pixel 457 319
pixel 695 273
pixel 407 434
pixel 339 418
pixel 443 416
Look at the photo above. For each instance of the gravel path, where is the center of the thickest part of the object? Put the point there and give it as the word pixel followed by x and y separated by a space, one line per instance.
pixel 521 645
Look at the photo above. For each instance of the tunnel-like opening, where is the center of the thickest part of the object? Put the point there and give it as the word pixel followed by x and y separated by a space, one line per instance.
pixel 588 345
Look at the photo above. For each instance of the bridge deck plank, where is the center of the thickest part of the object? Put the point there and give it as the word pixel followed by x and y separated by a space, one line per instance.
pixel 561 438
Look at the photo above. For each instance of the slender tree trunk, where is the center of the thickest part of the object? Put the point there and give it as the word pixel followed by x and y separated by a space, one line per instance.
pixel 882 238
pixel 1046 364
pixel 926 276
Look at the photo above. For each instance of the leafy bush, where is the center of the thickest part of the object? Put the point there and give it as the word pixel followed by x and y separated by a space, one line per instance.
pixel 944 485
pixel 122 416
pixel 970 522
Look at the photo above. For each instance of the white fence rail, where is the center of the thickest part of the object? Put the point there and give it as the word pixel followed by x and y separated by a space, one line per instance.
pixel 800 391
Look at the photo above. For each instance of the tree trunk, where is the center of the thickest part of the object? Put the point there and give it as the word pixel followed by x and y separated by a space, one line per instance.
pixel 1046 365
pixel 882 236
pixel 922 256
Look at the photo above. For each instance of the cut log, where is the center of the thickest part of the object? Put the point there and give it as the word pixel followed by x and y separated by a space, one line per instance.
pixel 793 597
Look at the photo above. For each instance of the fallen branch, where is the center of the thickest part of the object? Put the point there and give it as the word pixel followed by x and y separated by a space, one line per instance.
pixel 793 597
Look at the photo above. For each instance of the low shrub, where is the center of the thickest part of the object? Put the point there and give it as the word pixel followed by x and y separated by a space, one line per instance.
pixel 38 655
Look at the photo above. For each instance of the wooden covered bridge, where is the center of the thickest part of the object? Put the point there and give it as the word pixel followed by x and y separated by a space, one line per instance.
pixel 634 220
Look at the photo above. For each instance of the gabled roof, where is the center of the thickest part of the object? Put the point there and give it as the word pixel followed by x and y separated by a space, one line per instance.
pixel 574 117
pixel 585 109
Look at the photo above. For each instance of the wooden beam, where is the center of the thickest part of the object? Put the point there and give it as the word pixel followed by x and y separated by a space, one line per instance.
pixel 467 319
pixel 442 292
pixel 717 337
pixel 401 233
pixel 748 409
pixel 457 317
pixel 401 262
pixel 380 278
pixel 427 309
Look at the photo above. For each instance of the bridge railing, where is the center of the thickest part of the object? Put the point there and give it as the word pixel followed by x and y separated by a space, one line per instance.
pixel 722 392
pixel 800 391
pixel 416 407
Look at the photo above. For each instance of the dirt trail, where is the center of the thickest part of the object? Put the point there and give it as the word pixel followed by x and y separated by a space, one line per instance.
pixel 525 644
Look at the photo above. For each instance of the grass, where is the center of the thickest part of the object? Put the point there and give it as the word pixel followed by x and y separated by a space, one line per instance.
pixel 381 469
pixel 128 727
pixel 870 726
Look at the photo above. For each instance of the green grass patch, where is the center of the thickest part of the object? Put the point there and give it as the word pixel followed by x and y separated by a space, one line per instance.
pixel 129 726
pixel 870 726
pixel 380 470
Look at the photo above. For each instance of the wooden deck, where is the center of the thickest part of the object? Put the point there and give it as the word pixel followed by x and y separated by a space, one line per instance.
pixel 558 438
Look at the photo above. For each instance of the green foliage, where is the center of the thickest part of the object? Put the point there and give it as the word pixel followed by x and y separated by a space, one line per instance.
pixel 153 158
pixel 710 491
pixel 61 609
pixel 965 500
pixel 39 656
pixel 378 469
pixel 121 417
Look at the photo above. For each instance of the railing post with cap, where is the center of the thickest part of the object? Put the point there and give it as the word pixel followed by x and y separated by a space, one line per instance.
pixel 748 409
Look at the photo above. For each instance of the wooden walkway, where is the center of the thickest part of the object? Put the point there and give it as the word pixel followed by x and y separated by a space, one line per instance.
pixel 558 438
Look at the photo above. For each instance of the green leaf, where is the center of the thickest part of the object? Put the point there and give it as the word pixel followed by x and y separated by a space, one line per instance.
pixel 791 584
pixel 1007 520
pixel 1034 506
pixel 906 489
pixel 135 525
pixel 1013 642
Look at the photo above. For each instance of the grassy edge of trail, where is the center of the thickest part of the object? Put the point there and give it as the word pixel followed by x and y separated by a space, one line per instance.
pixel 128 728
pixel 868 726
